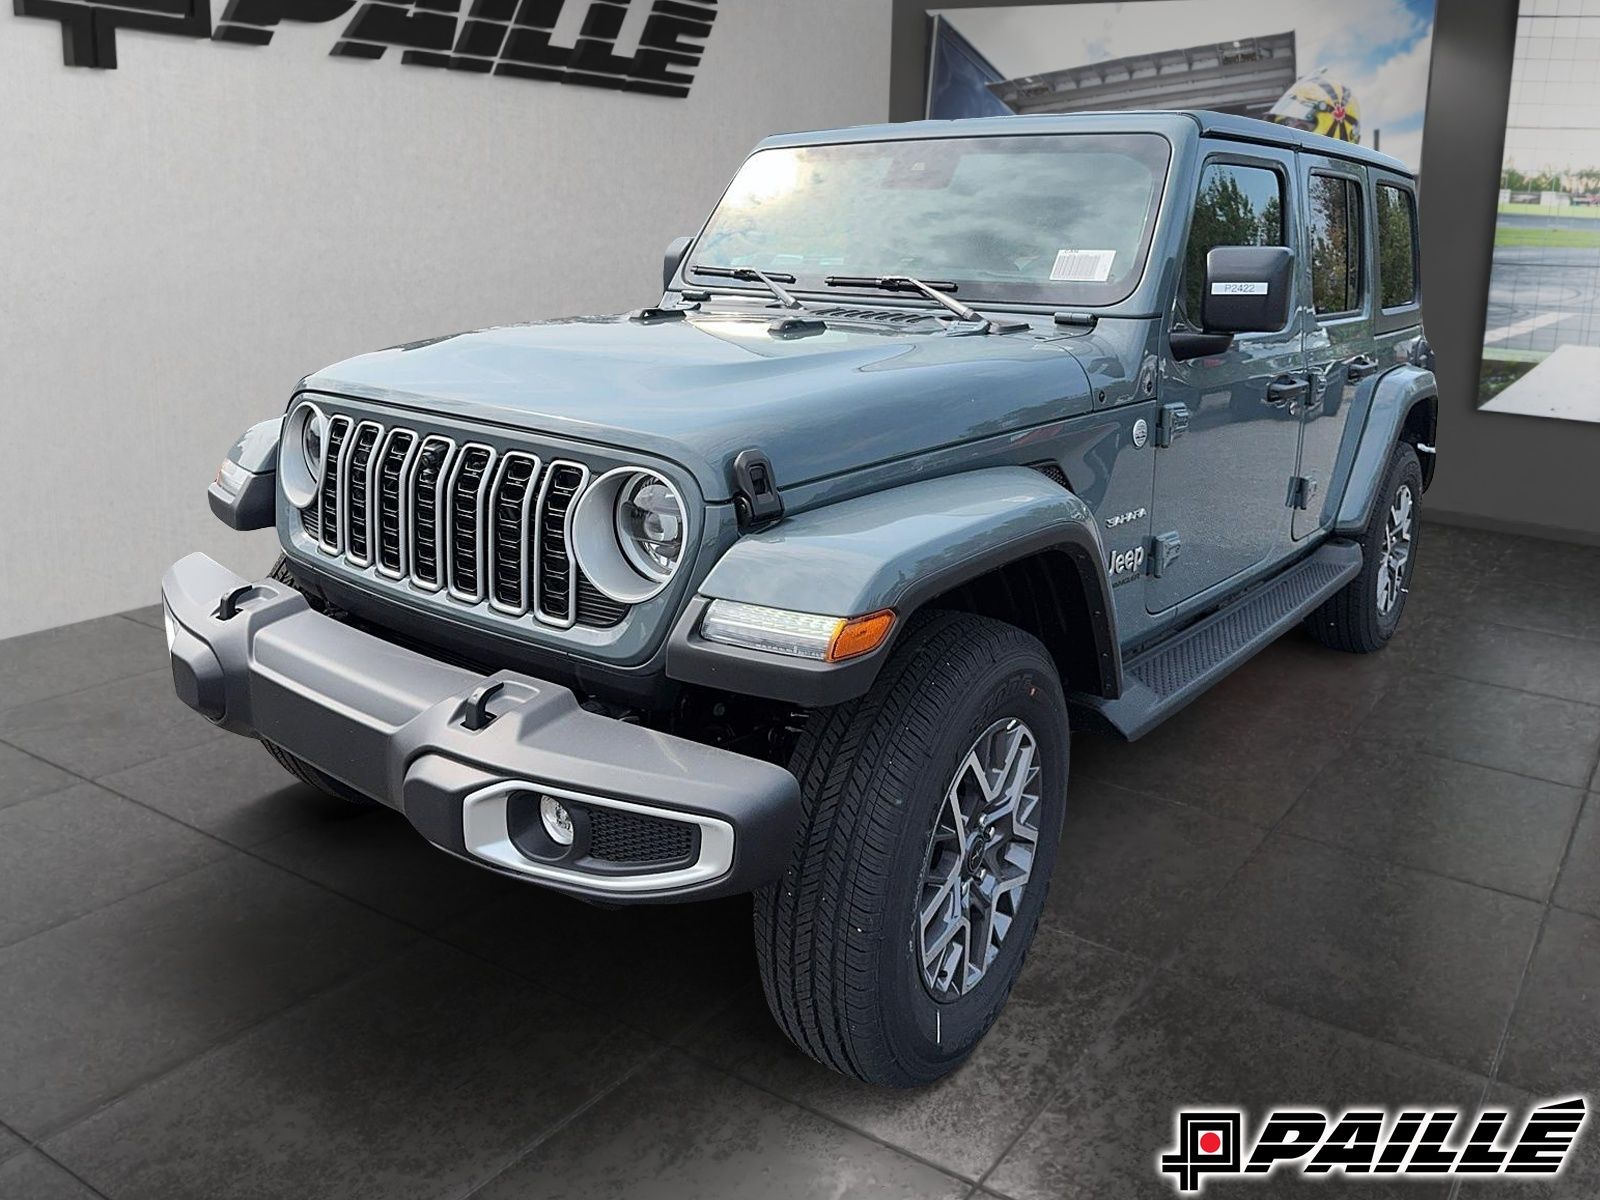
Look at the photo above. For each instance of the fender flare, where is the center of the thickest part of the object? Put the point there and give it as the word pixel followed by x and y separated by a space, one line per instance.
pixel 244 494
pixel 1382 423
pixel 897 549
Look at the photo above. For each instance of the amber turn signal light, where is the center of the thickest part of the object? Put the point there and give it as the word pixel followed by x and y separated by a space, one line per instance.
pixel 860 635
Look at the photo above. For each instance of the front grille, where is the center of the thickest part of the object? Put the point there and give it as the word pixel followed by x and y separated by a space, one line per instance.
pixel 466 520
pixel 635 839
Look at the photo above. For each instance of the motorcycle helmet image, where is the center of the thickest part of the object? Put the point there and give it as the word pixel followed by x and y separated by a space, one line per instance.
pixel 1321 105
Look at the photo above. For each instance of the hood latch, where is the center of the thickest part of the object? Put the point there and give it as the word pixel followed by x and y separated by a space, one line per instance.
pixel 755 492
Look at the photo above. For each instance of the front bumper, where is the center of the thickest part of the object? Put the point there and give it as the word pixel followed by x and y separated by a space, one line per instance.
pixel 463 755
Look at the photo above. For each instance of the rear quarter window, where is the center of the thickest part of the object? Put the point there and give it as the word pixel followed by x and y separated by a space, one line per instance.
pixel 1397 246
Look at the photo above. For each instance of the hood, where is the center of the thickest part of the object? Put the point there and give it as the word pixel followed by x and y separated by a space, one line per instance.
pixel 700 390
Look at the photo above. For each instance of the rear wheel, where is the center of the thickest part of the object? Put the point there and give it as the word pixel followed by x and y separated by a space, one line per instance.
pixel 1362 616
pixel 932 812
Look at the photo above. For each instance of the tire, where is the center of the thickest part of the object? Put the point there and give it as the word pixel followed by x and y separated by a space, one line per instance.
pixel 839 938
pixel 298 767
pixel 1356 618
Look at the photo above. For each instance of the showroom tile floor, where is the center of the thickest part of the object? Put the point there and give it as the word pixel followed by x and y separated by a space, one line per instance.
pixel 1332 881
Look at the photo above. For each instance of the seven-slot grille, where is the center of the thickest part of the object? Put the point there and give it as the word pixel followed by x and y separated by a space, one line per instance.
pixel 475 523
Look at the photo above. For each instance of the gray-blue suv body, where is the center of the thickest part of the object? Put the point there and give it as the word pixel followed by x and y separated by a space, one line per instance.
pixel 943 438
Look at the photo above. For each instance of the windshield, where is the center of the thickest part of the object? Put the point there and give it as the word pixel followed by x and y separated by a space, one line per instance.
pixel 1035 219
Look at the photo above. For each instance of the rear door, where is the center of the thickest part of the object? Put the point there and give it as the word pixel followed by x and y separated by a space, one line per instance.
pixel 1338 271
pixel 1220 486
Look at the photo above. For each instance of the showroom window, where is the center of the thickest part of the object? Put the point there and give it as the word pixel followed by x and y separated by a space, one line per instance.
pixel 1236 206
pixel 1397 246
pixel 1335 244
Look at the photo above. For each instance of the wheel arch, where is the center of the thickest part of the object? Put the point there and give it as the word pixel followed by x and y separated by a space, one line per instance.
pixel 1005 542
pixel 1401 405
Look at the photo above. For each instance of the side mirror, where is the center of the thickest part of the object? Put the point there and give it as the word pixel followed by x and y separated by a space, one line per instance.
pixel 1247 289
pixel 673 259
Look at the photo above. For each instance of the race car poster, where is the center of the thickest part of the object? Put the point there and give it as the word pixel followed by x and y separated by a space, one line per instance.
pixel 1541 339
pixel 1356 70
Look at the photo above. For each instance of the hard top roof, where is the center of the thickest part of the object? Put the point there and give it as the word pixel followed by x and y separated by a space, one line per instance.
pixel 1175 122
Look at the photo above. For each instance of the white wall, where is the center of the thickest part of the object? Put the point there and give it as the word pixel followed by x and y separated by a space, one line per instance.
pixel 185 236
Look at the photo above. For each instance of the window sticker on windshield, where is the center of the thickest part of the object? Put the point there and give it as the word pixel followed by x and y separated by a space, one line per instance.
pixel 1082 266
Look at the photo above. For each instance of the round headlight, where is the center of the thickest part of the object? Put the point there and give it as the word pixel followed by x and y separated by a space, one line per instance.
pixel 304 442
pixel 650 526
pixel 629 530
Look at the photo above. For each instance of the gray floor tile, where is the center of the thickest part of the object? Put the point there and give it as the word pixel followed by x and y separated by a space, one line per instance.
pixel 420 1079
pixel 10 1143
pixel 1547 663
pixel 1563 562
pixel 1418 960
pixel 1134 870
pixel 1461 549
pixel 662 968
pixel 72 852
pixel 150 615
pixel 1502 831
pixel 1186 1045
pixel 681 1130
pixel 69 658
pixel 1067 996
pixel 24 777
pixel 1219 757
pixel 1298 675
pixel 228 787
pixel 97 1006
pixel 1526 603
pixel 32 1176
pixel 1554 1043
pixel 104 729
pixel 1580 1178
pixel 1579 886
pixel 375 856
pixel 1487 725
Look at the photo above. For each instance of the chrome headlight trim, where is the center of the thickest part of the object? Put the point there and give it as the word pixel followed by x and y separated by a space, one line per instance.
pixel 597 542
pixel 302 477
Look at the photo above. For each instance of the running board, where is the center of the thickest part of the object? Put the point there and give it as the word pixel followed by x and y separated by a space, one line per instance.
pixel 1160 681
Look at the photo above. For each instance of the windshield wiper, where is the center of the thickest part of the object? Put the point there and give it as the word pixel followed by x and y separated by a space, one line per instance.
pixel 751 275
pixel 908 283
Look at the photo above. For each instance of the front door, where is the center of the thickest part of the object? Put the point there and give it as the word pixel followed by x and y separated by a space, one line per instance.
pixel 1222 485
pixel 1338 271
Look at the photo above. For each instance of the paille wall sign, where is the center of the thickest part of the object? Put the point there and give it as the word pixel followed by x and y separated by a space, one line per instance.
pixel 630 45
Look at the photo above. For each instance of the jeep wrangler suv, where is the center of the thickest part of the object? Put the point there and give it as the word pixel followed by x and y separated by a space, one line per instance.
pixel 943 439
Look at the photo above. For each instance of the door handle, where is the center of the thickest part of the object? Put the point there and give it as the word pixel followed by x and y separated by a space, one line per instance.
pixel 1286 389
pixel 1360 367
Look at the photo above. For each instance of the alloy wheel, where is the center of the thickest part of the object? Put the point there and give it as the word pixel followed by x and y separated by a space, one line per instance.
pixel 980 858
pixel 1395 554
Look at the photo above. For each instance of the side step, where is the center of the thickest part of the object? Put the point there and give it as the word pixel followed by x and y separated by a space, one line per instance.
pixel 1160 681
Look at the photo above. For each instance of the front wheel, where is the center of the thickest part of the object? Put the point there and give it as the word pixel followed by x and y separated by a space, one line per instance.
pixel 932 812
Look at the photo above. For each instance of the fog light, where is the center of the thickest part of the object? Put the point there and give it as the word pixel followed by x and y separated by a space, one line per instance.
pixel 557 820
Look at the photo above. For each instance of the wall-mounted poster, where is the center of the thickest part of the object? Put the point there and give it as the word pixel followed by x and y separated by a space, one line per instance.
pixel 1356 70
pixel 1541 342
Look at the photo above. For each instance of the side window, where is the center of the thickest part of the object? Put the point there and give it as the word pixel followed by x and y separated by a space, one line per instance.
pixel 1236 206
pixel 1336 283
pixel 1397 246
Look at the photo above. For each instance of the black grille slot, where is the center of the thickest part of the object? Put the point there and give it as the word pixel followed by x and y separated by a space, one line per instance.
pixel 432 461
pixel 356 492
pixel 328 494
pixel 595 608
pixel 508 507
pixel 391 480
pixel 887 316
pixel 555 566
pixel 466 500
pixel 625 837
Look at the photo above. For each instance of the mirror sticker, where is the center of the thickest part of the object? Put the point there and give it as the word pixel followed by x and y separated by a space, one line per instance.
pixel 1082 266
pixel 1238 289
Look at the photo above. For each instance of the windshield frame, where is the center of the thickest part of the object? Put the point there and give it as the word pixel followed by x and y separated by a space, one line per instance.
pixel 1001 294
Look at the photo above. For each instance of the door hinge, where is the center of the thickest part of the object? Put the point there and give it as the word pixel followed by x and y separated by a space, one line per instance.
pixel 1302 490
pixel 1165 549
pixel 1172 422
pixel 755 494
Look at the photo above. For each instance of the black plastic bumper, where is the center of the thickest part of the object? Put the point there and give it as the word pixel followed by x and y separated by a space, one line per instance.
pixel 402 728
